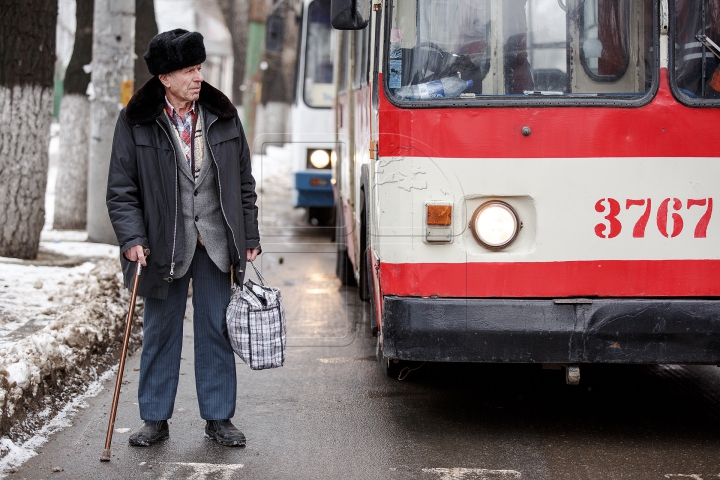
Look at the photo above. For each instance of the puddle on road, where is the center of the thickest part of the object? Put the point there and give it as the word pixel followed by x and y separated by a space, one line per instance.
pixel 299 258
pixel 317 307
pixel 472 474
pixel 172 470
pixel 370 358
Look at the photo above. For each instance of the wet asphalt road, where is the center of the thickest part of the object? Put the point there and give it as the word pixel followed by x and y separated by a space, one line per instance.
pixel 331 413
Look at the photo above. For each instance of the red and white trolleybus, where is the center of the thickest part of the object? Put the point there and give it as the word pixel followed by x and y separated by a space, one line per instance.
pixel 531 180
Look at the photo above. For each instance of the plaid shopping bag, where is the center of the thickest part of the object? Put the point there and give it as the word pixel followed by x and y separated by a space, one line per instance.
pixel 256 324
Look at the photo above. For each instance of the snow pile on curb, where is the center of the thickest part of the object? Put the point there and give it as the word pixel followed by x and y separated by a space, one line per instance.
pixel 41 373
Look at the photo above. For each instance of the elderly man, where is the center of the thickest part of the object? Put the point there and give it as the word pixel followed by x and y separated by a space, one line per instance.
pixel 180 185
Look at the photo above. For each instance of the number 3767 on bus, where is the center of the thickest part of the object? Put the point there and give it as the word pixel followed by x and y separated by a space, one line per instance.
pixel 668 216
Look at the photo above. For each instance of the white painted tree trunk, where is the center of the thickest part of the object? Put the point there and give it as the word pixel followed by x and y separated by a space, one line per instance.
pixel 25 119
pixel 236 14
pixel 71 184
pixel 113 64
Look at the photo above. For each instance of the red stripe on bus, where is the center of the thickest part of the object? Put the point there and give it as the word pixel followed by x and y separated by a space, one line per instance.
pixel 662 128
pixel 599 278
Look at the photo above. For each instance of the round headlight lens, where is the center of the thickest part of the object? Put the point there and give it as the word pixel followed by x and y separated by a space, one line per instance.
pixel 320 159
pixel 495 224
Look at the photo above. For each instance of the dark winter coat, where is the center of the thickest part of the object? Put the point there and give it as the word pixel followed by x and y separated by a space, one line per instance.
pixel 143 194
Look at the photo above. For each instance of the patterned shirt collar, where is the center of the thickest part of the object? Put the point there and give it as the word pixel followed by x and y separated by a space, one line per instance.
pixel 172 112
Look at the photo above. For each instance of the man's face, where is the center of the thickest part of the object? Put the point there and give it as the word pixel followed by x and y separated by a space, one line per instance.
pixel 183 84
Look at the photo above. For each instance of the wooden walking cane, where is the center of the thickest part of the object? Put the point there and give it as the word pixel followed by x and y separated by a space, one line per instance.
pixel 105 457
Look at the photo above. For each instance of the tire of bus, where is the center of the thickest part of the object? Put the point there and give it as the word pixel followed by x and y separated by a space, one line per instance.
pixel 365 286
pixel 343 266
pixel 392 367
pixel 321 216
pixel 368 276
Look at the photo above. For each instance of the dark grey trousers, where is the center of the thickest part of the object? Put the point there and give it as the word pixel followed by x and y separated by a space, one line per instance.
pixel 162 344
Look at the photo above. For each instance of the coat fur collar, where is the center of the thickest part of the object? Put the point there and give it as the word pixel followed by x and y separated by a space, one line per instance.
pixel 148 102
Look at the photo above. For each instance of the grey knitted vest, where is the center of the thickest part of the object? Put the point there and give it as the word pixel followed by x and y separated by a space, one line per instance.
pixel 200 203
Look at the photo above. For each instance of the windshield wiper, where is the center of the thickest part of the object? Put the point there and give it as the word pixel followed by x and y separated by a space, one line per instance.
pixel 542 92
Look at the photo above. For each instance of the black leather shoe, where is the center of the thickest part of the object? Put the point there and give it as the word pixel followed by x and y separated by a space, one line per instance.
pixel 150 433
pixel 225 433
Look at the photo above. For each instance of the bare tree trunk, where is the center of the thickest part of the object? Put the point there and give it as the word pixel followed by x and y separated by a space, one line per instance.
pixel 236 14
pixel 290 48
pixel 71 183
pixel 279 78
pixel 27 56
pixel 272 122
pixel 145 29
pixel 112 82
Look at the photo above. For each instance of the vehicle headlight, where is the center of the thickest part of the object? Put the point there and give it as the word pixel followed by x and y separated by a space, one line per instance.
pixel 495 224
pixel 319 159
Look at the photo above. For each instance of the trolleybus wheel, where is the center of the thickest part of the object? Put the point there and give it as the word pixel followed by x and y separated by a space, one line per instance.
pixel 365 277
pixel 343 266
pixel 393 367
pixel 320 216
pixel 370 284
pixel 373 314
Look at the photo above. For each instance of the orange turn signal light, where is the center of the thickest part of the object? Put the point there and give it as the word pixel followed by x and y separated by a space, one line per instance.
pixel 439 215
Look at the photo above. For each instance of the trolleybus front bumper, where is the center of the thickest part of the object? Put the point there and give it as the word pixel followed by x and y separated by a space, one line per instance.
pixel 552 331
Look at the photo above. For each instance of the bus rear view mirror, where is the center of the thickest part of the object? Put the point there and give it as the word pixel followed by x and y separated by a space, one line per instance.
pixel 350 14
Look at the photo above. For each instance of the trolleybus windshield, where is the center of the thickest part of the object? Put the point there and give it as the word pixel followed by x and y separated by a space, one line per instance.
pixel 696 55
pixel 504 49
pixel 318 88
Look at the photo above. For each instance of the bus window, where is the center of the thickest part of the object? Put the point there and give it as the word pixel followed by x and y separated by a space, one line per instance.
pixel 361 57
pixel 343 61
pixel 597 50
pixel 547 45
pixel 318 84
pixel 692 82
pixel 604 38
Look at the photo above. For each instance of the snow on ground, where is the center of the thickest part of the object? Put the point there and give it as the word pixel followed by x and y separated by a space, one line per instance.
pixel 17 454
pixel 32 292
pixel 273 171
pixel 30 296
pixel 55 354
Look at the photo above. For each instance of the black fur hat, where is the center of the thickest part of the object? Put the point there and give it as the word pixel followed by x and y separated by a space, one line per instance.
pixel 173 50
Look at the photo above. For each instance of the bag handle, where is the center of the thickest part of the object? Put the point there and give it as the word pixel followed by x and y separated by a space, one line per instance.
pixel 259 275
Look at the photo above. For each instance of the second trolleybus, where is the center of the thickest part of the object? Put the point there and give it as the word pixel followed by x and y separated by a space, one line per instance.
pixel 313 133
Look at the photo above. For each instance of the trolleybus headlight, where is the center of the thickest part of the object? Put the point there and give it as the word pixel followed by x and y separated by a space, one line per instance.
pixel 495 224
pixel 320 159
